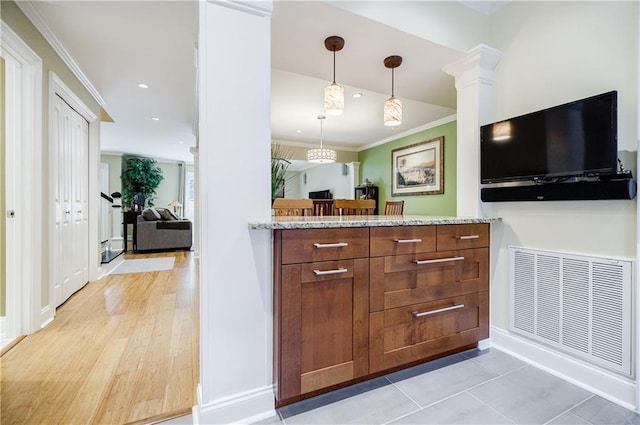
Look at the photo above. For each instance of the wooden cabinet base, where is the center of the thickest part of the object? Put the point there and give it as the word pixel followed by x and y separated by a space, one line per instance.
pixel 291 400
pixel 352 304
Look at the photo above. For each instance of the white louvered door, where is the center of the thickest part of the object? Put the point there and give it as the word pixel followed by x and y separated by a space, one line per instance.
pixel 70 140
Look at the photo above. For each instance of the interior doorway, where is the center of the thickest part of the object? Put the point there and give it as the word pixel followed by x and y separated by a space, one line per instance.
pixel 22 134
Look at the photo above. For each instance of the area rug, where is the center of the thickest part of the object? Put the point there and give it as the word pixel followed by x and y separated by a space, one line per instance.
pixel 145 265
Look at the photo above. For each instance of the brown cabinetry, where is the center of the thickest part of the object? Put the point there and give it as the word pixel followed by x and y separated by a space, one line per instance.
pixel 351 302
pixel 322 309
pixel 430 301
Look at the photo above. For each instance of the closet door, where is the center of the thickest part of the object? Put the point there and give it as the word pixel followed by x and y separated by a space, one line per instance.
pixel 70 170
pixel 79 165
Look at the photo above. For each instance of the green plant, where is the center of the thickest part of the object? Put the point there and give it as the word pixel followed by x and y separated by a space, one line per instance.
pixel 280 161
pixel 140 176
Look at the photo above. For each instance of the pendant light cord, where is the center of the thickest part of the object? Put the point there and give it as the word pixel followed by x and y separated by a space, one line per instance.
pixel 392 81
pixel 320 133
pixel 334 67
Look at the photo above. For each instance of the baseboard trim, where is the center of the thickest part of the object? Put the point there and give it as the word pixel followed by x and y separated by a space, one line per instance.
pixel 484 344
pixel 242 408
pixel 608 385
pixel 46 316
pixel 117 244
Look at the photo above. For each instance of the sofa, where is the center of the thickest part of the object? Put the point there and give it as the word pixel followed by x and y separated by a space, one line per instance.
pixel 166 231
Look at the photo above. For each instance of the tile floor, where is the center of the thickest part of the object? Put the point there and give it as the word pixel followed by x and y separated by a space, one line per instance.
pixel 475 387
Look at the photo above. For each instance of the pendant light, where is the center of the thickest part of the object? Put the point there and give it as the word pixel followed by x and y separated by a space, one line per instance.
pixel 321 155
pixel 393 105
pixel 334 93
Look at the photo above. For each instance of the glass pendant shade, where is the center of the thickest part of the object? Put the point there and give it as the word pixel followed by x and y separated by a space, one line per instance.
pixel 393 112
pixel 333 99
pixel 321 156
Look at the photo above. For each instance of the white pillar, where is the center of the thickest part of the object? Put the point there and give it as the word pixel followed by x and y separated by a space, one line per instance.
pixel 354 171
pixel 474 82
pixel 195 151
pixel 235 263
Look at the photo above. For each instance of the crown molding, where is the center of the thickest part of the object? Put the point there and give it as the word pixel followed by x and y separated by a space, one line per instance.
pixel 409 132
pixel 38 21
pixel 395 136
pixel 312 145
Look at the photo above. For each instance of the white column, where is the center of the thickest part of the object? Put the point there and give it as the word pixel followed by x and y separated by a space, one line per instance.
pixel 235 263
pixel 474 82
pixel 354 171
pixel 196 204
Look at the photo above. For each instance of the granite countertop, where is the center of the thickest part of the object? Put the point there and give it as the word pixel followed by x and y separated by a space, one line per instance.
pixel 317 222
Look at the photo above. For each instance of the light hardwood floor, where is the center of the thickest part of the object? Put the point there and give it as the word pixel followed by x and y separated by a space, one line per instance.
pixel 121 350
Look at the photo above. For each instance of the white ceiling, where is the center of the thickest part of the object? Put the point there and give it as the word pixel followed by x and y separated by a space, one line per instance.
pixel 119 44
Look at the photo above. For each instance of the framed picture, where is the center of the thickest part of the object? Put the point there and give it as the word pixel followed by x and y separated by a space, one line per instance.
pixel 418 169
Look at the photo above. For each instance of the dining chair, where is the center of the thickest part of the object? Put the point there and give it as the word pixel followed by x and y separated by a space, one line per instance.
pixel 292 207
pixel 393 207
pixel 322 207
pixel 353 206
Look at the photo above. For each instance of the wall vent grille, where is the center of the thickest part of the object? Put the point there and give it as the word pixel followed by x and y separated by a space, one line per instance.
pixel 576 304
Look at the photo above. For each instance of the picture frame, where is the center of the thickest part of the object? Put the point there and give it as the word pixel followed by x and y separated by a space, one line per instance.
pixel 418 169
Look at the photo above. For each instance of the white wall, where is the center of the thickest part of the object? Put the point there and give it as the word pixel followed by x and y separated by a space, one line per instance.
pixel 293 185
pixel 326 176
pixel 168 189
pixel 555 52
pixel 115 171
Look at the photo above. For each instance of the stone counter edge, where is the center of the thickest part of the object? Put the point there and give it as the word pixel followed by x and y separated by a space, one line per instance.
pixel 364 221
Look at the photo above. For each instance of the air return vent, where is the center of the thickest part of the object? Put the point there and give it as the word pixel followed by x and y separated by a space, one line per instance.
pixel 576 304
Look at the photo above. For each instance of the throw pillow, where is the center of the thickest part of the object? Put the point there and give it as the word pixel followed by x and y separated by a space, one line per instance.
pixel 174 215
pixel 165 214
pixel 151 214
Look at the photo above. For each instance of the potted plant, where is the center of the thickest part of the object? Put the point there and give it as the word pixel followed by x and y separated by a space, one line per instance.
pixel 280 161
pixel 140 179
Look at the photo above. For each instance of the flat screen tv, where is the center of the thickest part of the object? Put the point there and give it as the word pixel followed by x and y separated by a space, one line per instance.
pixel 320 194
pixel 579 138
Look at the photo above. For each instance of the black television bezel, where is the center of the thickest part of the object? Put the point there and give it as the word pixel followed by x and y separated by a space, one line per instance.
pixel 551 177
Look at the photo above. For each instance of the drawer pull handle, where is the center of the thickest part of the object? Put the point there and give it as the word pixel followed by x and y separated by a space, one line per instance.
pixel 439 310
pixel 325 272
pixel 438 260
pixel 407 240
pixel 466 237
pixel 331 245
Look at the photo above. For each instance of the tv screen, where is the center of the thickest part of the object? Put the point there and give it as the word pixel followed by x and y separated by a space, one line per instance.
pixel 320 194
pixel 575 139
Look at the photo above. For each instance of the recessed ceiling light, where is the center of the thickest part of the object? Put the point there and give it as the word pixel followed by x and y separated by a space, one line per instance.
pixel 155 118
pixel 357 95
pixel 298 131
pixel 143 85
pixel 180 142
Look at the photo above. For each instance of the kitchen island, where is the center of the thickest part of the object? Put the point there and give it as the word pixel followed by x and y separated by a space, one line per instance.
pixel 359 296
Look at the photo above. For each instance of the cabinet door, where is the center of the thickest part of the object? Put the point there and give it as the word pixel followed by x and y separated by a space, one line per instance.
pixel 324 326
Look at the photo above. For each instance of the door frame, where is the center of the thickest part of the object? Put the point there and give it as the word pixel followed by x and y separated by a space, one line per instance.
pixel 23 111
pixel 58 88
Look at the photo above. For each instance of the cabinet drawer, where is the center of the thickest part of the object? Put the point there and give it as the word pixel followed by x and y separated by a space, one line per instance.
pixel 413 333
pixel 309 245
pixel 402 240
pixel 462 236
pixel 403 280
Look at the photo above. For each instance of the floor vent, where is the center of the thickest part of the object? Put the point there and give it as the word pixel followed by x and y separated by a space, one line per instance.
pixel 576 304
